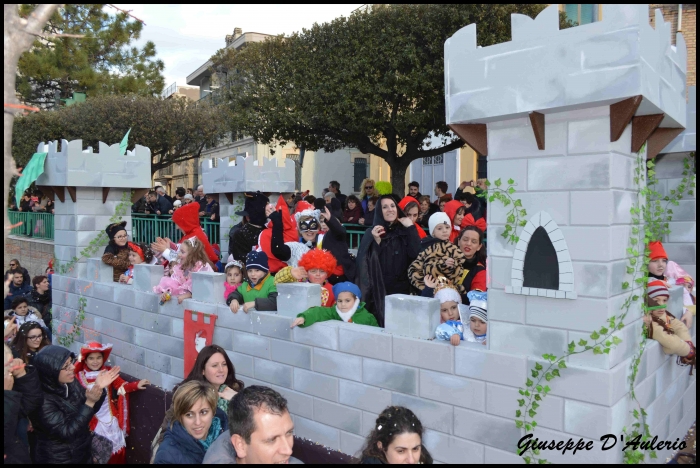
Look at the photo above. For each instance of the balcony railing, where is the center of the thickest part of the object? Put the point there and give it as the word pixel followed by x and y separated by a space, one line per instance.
pixel 146 227
pixel 31 224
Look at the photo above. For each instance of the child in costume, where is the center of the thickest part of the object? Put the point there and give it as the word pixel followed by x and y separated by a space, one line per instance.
pixel 191 257
pixel 672 334
pixel 451 327
pixel 438 256
pixel 456 212
pixel 116 253
pixel 187 220
pixel 235 272
pixel 259 290
pixel 348 308
pixel 315 266
pixel 138 253
pixel 659 267
pixel 478 317
pixel 112 420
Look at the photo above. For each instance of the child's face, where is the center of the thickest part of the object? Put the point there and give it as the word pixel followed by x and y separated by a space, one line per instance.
pixel 449 310
pixel 660 301
pixel 345 301
pixel 255 275
pixel 442 232
pixel 317 276
pixel 234 276
pixel 22 309
pixel 351 205
pixel 184 250
pixel 459 216
pixel 134 258
pixel 477 326
pixel 94 361
pixel 370 206
pixel 658 266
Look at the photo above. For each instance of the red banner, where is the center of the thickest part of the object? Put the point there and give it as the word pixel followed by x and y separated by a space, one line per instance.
pixel 198 334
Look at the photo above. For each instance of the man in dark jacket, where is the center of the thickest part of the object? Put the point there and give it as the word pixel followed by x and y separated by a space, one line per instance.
pixel 18 288
pixel 157 204
pixel 414 190
pixel 211 209
pixel 21 398
pixel 14 265
pixel 334 187
pixel 62 422
pixel 139 206
pixel 162 193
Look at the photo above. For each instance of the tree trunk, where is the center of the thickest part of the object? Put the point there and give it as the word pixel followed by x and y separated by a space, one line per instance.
pixel 398 177
pixel 19 36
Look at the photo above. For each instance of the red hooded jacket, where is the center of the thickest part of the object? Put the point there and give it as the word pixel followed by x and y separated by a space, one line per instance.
pixel 451 208
pixel 402 204
pixel 187 219
pixel 290 235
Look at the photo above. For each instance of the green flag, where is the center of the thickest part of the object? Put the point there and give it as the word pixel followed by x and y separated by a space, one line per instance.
pixel 125 141
pixel 30 174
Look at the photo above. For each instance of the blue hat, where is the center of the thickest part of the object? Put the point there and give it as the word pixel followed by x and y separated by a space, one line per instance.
pixel 256 260
pixel 347 286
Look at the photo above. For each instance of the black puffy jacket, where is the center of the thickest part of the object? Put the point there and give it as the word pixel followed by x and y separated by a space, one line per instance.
pixel 62 422
pixel 24 398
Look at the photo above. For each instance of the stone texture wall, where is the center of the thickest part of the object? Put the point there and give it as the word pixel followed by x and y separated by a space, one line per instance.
pixel 34 255
pixel 337 377
pixel 688 27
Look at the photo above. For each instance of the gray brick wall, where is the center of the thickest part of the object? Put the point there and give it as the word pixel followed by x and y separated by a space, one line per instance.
pixel 337 377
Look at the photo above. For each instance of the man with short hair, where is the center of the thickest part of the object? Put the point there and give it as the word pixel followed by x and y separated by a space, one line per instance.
pixel 334 187
pixel 180 193
pixel 161 192
pixel 18 287
pixel 157 204
pixel 440 191
pixel 260 430
pixel 413 190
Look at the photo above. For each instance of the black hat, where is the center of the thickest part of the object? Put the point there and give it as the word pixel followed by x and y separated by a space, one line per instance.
pixel 255 207
pixel 114 228
pixel 257 260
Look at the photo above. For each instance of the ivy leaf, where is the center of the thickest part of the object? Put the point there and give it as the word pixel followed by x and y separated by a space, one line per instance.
pixel 518 423
pixel 546 389
pixel 603 331
pixel 529 383
pixel 548 376
pixel 511 181
pixel 487 183
pixel 535 405
pixel 582 342
pixel 597 350
pixel 511 190
pixel 538 366
pixel 498 182
pixel 562 365
pixel 625 285
pixel 538 397
pixel 523 223
pixel 616 340
pixel 595 335
pixel 517 203
pixel 532 413
pixel 518 413
pixel 535 374
pixel 606 350
pixel 572 347
pixel 521 391
pixel 521 402
pixel 523 212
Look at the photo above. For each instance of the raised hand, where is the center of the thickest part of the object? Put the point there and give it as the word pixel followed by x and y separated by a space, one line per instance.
pixel 377 233
pixel 325 214
pixel 297 321
pixel 160 245
pixel 299 273
pixel 93 394
pixel 106 377
pixel 406 222
pixel 269 209
pixel 228 393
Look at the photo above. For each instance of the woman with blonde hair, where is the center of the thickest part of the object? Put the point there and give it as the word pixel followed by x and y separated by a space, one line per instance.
pixel 194 424
pixel 366 192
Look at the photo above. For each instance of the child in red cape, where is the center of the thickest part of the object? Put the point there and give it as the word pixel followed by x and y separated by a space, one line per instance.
pixel 289 234
pixel 187 219
pixel 112 420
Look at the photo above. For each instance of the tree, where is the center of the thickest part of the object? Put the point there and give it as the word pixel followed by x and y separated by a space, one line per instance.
pixel 373 81
pixel 99 60
pixel 174 129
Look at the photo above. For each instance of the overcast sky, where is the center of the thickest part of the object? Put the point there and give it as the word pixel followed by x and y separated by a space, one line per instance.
pixel 186 36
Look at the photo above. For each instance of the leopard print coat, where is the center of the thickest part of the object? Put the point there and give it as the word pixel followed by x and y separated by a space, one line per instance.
pixel 431 261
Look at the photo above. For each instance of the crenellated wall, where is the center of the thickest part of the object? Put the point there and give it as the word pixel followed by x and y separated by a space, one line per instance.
pixel 337 377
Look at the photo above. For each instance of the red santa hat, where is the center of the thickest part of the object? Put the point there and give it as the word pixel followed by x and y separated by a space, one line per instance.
pixel 95 347
pixel 657 251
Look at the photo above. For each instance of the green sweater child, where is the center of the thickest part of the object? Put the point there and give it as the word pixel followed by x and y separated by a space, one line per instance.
pixel 259 291
pixel 348 308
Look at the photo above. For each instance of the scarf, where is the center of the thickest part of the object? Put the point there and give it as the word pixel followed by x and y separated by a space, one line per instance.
pixel 222 402
pixel 214 432
pixel 347 316
pixel 229 288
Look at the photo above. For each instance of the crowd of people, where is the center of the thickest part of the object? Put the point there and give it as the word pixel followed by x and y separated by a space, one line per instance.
pixel 67 410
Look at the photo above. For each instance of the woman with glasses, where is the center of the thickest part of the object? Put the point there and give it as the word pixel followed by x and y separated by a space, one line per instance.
pixel 62 422
pixel 30 339
pixel 116 253
pixel 368 191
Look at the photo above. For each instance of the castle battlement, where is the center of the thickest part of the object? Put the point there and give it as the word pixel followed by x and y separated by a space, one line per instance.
pixel 76 167
pixel 544 68
pixel 244 174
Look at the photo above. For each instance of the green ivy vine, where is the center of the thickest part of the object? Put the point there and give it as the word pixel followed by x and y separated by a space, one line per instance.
pixel 651 215
pixel 93 247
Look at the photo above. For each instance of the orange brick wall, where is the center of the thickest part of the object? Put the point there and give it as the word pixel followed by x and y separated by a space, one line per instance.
pixel 687 29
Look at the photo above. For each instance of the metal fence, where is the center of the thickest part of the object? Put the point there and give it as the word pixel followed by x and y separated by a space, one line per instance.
pixel 31 224
pixel 146 227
